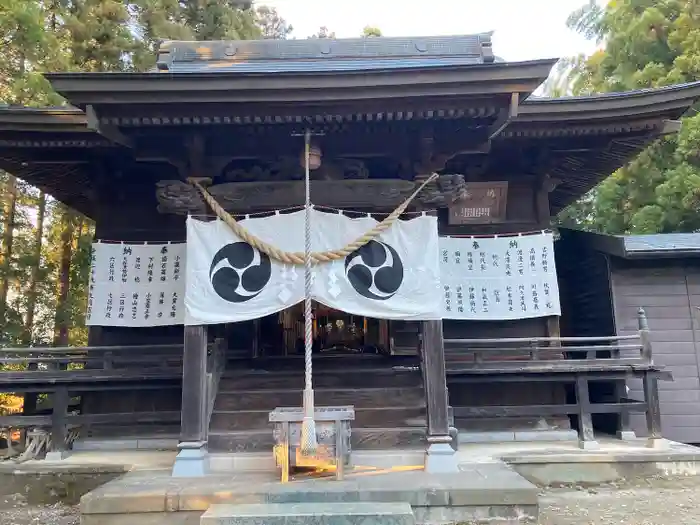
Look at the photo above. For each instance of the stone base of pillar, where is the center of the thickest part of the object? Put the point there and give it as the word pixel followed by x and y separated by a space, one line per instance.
pixel 626 435
pixel 440 457
pixel 57 455
pixel 192 460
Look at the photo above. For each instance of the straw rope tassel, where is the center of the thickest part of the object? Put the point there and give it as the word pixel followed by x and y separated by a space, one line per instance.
pixel 308 425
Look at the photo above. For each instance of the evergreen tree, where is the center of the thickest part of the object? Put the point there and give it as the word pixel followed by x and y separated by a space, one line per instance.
pixel 370 31
pixel 271 24
pixel 647 44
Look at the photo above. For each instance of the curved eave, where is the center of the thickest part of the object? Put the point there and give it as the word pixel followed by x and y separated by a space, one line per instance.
pixel 638 104
pixel 311 87
pixel 71 120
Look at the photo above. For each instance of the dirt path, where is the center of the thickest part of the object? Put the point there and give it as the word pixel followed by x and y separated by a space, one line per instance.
pixel 654 502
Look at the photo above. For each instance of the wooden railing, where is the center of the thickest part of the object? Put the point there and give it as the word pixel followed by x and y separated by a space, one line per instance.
pixel 541 354
pixel 550 354
pixel 67 371
pixel 96 357
pixel 576 360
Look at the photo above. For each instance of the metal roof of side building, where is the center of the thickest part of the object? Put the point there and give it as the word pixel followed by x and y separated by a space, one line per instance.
pixel 646 246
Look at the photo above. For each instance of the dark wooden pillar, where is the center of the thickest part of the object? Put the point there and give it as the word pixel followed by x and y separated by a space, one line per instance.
pixel 59 431
pixel 650 384
pixel 440 456
pixel 586 437
pixel 624 428
pixel 651 395
pixel 191 461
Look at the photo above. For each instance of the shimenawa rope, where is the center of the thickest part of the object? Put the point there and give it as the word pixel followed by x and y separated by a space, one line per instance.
pixel 298 258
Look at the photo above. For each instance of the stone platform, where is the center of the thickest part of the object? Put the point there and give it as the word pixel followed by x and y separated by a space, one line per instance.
pixel 496 480
pixel 479 492
pixel 358 513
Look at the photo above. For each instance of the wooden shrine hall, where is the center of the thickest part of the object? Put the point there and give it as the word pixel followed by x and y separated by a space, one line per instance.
pixel 384 115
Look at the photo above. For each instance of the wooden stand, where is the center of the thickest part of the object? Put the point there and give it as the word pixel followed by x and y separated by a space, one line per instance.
pixel 333 434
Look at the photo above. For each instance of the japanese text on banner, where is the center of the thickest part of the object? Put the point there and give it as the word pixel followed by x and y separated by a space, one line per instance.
pixel 136 285
pixel 499 278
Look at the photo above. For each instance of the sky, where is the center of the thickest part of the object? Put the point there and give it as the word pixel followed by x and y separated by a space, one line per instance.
pixel 523 30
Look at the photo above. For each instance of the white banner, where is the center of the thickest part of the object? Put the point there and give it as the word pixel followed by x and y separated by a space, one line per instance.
pixel 136 285
pixel 229 281
pixel 499 278
pixel 407 273
pixel 393 277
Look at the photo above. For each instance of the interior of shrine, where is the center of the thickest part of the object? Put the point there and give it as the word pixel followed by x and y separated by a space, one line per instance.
pixel 334 332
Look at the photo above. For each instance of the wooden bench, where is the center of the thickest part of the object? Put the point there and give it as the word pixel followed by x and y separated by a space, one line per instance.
pixel 576 360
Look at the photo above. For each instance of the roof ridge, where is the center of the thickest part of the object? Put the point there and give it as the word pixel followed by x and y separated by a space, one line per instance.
pixel 174 52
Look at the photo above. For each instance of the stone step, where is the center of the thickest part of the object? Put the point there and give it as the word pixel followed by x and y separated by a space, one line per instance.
pixel 356 513
pixel 367 417
pixel 362 439
pixel 232 400
pixel 348 378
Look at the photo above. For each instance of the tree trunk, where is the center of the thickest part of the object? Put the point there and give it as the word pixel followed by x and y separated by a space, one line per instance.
pixel 27 337
pixel 6 249
pixel 62 319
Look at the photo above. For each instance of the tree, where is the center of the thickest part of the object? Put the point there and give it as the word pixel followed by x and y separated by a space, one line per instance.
pixel 323 32
pixel 371 31
pixel 647 44
pixel 271 24
pixel 157 20
pixel 100 37
pixel 45 246
pixel 35 265
pixel 27 50
pixel 8 226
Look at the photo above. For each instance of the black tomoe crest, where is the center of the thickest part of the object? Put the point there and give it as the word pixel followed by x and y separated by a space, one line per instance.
pixel 238 272
pixel 375 271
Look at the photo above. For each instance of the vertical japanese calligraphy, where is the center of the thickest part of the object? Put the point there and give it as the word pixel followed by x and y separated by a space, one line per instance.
pixel 499 278
pixel 136 285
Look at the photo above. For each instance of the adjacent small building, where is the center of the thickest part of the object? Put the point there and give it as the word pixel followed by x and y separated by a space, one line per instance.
pixel 617 275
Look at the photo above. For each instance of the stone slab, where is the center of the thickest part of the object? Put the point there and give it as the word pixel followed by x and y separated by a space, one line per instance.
pixel 96 444
pixel 585 467
pixel 507 436
pixel 358 513
pixel 546 435
pixel 479 485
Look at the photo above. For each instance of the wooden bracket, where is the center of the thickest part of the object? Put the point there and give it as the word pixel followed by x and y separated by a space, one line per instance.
pixel 505 116
pixel 670 127
pixel 109 132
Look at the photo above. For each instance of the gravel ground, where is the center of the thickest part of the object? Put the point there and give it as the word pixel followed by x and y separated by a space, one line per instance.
pixel 47 515
pixel 651 502
pixel 654 502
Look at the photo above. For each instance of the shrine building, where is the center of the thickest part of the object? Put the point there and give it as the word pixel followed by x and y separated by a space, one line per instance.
pixel 383 115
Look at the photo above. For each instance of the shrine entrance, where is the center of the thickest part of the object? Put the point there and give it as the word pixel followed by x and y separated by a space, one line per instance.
pixel 335 332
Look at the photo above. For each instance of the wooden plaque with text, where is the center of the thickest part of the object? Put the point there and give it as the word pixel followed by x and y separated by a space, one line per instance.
pixel 482 203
